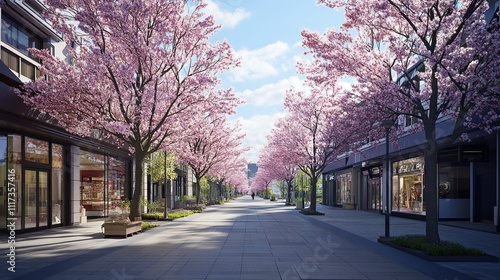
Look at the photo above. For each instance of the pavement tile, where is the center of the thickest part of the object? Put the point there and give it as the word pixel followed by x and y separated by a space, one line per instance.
pixel 246 239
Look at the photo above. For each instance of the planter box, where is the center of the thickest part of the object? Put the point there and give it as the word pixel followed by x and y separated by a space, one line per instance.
pixel 121 228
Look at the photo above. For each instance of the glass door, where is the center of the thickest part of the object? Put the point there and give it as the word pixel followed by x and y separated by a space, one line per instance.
pixel 36 198
pixel 374 202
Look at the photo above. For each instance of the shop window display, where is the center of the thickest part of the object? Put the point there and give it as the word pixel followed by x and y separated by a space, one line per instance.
pixel 92 186
pixel 116 186
pixel 102 184
pixel 408 186
pixel 344 189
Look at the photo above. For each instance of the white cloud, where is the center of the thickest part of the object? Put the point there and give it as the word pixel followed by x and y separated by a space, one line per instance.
pixel 227 19
pixel 256 129
pixel 260 63
pixel 270 94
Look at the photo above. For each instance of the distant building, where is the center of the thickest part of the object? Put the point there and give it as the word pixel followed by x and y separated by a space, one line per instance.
pixel 252 170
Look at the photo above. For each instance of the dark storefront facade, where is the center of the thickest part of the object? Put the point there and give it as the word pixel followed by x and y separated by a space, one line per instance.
pixel 49 176
pixel 468 179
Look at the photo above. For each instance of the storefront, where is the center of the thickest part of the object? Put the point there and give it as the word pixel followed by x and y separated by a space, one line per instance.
pixel 329 189
pixel 454 190
pixel 344 195
pixel 32 172
pixel 371 186
pixel 102 184
pixel 408 187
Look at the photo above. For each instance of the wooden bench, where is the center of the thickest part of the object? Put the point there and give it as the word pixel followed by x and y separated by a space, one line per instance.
pixel 121 228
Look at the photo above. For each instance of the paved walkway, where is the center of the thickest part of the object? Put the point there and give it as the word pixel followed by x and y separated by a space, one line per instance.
pixel 244 239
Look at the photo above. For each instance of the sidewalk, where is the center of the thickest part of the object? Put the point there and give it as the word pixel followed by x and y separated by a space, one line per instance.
pixel 245 239
pixel 371 226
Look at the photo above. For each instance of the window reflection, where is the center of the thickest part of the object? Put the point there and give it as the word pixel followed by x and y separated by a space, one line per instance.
pixel 36 150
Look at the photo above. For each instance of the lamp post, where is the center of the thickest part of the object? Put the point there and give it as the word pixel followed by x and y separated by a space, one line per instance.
pixel 387 124
pixel 165 214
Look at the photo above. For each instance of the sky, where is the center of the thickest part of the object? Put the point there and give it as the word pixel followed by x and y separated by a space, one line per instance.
pixel 266 36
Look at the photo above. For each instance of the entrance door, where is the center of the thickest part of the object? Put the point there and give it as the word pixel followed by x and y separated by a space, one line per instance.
pixel 374 202
pixel 36 198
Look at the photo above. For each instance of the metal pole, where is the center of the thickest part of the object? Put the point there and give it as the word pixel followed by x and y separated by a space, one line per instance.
pixel 387 168
pixel 172 202
pixel 303 191
pixel 165 184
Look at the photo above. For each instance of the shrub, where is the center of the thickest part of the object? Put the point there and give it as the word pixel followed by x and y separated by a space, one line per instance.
pixel 180 213
pixel 152 216
pixel 310 212
pixel 443 248
pixel 146 226
pixel 273 197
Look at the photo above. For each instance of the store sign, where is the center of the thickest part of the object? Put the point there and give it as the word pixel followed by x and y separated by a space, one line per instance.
pixel 471 154
pixel 409 167
pixel 375 172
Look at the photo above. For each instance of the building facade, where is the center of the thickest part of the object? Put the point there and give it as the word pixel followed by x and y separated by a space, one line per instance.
pixel 468 174
pixel 49 177
pixel 468 177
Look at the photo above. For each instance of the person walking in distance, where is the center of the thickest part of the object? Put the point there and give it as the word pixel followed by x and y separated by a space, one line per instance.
pixel 253 195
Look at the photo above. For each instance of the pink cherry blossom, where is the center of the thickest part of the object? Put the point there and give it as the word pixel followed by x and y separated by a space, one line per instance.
pixel 136 68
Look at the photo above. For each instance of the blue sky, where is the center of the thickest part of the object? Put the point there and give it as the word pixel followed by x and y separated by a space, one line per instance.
pixel 265 34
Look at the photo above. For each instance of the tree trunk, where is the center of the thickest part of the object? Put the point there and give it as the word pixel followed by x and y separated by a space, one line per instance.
pixel 314 180
pixel 135 204
pixel 197 190
pixel 431 193
pixel 289 195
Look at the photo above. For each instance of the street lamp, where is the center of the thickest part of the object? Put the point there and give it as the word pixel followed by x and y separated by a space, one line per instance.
pixel 165 213
pixel 387 124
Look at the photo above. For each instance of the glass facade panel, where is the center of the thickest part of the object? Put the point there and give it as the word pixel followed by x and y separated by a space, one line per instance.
pixel 30 199
pixel 25 199
pixel 92 183
pixel 454 181
pixel 43 199
pixel 344 189
pixel 9 31
pixel 14 164
pixel 102 184
pixel 36 150
pixel 116 185
pixel 57 183
pixel 17 36
pixel 4 188
pixel 374 201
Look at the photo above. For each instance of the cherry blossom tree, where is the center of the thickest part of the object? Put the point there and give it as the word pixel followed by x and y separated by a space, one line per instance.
pixel 211 141
pixel 136 68
pixel 235 176
pixel 422 59
pixel 231 171
pixel 261 182
pixel 318 130
pixel 277 158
